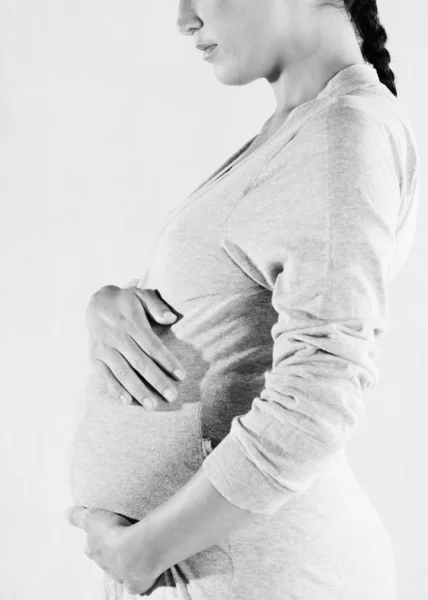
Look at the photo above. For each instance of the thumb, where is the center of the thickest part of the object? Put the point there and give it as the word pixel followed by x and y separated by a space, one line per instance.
pixel 156 306
pixel 108 518
pixel 95 519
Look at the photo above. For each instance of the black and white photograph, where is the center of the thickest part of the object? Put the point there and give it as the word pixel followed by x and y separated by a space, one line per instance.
pixel 214 299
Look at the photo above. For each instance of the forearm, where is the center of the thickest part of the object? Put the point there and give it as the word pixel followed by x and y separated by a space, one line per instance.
pixel 194 519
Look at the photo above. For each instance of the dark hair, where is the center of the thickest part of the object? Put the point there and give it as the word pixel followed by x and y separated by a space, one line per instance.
pixel 372 36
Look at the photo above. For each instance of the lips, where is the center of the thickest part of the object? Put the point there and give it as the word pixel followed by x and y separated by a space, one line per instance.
pixel 205 46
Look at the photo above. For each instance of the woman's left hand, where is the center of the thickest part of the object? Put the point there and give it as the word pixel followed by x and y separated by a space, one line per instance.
pixel 112 546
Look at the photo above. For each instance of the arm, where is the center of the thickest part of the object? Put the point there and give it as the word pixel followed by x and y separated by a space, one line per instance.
pixel 194 519
pixel 317 230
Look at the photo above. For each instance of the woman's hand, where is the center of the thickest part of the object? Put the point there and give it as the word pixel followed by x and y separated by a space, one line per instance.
pixel 122 337
pixel 113 546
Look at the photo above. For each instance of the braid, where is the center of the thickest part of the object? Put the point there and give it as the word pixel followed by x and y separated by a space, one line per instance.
pixel 365 17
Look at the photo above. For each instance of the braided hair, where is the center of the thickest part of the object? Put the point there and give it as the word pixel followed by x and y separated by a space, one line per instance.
pixel 372 36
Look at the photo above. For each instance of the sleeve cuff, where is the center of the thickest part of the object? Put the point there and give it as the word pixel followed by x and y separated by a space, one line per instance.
pixel 240 481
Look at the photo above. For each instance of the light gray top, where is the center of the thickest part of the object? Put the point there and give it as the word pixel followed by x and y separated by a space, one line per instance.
pixel 279 267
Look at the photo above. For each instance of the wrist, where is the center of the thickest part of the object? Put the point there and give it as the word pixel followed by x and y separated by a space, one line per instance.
pixel 141 550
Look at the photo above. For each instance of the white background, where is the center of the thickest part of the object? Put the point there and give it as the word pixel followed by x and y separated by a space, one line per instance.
pixel 109 117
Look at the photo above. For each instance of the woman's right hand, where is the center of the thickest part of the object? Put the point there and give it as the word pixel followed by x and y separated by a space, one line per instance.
pixel 121 337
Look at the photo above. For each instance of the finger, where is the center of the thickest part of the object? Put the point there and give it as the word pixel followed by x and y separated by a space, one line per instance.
pixel 77 516
pixel 155 306
pixel 152 345
pixel 118 375
pixel 146 364
pixel 114 387
pixel 141 331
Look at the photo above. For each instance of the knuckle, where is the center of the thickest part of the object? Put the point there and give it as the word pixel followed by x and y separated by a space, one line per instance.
pixel 150 350
pixel 169 364
pixel 152 344
pixel 100 369
pixel 158 385
pixel 140 393
pixel 140 365
pixel 119 373
pixel 158 381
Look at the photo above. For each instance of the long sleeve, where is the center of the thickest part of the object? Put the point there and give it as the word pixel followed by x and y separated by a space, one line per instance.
pixel 317 229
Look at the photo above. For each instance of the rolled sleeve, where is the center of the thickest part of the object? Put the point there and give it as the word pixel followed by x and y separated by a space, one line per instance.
pixel 317 228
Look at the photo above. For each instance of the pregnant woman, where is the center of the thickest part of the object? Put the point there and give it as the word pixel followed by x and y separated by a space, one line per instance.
pixel 277 267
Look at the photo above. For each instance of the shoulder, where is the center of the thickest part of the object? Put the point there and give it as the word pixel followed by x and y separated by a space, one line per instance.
pixel 341 119
pixel 361 122
pixel 341 132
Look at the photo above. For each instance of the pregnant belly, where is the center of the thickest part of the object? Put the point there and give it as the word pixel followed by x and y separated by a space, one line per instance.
pixel 127 460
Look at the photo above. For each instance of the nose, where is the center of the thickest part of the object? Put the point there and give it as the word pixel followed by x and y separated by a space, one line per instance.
pixel 187 20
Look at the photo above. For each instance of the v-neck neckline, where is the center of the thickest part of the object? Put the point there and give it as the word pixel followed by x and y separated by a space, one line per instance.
pixel 230 161
pixel 345 81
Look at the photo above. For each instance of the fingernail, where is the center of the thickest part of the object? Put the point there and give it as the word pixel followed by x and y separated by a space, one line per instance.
pixel 179 374
pixel 125 399
pixel 148 403
pixel 169 315
pixel 169 395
